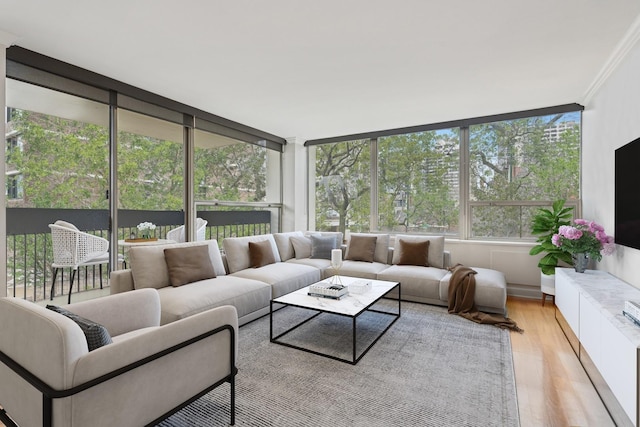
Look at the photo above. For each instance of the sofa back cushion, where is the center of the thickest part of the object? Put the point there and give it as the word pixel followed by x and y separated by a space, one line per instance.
pixel 285 244
pixel 381 252
pixel 237 250
pixel 435 257
pixel 149 267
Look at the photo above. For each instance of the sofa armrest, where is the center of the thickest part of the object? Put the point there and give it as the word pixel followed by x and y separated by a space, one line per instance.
pixel 121 281
pixel 122 313
pixel 121 353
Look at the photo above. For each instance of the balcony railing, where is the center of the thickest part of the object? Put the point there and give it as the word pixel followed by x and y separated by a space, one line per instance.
pixel 29 249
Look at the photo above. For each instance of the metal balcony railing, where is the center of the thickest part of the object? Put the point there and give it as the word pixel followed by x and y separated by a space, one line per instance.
pixel 29 249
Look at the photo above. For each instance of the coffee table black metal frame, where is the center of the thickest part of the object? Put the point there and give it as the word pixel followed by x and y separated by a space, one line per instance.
pixel 355 358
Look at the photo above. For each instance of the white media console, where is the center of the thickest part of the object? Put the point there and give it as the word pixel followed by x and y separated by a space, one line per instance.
pixel 589 310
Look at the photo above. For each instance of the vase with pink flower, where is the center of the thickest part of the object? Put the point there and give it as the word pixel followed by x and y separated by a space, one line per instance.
pixel 584 240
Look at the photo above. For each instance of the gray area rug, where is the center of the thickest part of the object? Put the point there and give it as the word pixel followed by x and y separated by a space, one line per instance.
pixel 430 369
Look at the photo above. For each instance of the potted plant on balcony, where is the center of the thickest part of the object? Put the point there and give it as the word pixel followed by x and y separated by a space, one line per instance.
pixel 545 224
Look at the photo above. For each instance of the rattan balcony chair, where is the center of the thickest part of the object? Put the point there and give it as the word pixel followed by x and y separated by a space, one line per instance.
pixel 177 234
pixel 74 248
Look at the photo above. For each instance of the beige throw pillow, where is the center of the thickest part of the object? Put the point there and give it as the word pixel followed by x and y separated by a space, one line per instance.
pixel 361 248
pixel 260 254
pixel 301 246
pixel 188 264
pixel 414 253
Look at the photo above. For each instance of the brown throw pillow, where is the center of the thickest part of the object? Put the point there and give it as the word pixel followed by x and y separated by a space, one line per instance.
pixel 414 253
pixel 188 264
pixel 361 248
pixel 260 254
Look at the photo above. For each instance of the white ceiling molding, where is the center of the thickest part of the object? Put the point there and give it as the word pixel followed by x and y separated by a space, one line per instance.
pixel 621 50
pixel 7 39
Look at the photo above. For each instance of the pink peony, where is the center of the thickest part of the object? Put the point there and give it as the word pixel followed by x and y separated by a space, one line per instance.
pixel 555 239
pixel 608 248
pixel 571 233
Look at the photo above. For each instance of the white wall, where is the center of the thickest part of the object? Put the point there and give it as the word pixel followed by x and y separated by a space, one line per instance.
pixel 611 119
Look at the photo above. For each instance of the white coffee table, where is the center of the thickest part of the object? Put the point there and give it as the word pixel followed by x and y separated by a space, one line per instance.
pixel 351 305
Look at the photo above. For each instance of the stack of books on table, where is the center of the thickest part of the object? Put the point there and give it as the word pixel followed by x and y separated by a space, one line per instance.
pixel 328 290
pixel 632 311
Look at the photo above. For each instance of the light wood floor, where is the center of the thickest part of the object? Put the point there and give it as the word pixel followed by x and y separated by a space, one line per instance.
pixel 553 388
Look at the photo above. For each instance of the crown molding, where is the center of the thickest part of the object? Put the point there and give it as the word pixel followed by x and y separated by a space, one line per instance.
pixel 622 49
pixel 7 39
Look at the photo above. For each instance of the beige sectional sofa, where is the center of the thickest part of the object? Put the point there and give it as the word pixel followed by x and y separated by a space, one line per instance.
pixel 294 260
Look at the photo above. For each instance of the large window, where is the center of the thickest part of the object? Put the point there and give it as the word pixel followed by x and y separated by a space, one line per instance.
pixel 518 161
pixel 418 182
pixel 227 169
pixel 150 163
pixel 480 180
pixel 57 152
pixel 343 186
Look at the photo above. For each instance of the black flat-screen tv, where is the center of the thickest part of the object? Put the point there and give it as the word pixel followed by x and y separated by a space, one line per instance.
pixel 627 195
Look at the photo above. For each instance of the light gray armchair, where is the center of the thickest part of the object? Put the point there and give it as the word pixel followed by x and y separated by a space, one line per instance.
pixel 49 377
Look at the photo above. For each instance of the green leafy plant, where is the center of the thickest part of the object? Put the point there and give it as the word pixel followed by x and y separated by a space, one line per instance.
pixel 545 224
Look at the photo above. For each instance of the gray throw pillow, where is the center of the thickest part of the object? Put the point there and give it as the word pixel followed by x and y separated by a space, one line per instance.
pixel 321 246
pixel 96 334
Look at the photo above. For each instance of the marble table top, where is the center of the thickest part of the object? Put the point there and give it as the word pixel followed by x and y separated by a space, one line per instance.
pixel 349 305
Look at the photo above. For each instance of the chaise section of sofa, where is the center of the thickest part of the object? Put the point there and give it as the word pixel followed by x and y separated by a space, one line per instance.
pixel 148 269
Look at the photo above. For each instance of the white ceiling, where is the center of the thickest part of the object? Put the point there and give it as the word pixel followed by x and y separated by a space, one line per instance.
pixel 323 68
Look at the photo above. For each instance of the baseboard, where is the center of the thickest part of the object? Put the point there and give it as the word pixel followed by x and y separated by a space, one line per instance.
pixel 524 291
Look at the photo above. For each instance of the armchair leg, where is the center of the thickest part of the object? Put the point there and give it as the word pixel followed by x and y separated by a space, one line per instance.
pixel 233 399
pixel 100 271
pixel 73 275
pixel 53 283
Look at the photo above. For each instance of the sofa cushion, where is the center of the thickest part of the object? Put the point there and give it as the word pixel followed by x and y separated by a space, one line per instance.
pixel 301 247
pixel 436 249
pixel 149 267
pixel 237 250
pixel 321 246
pixel 414 253
pixel 361 248
pixel 260 254
pixel 247 296
pixel 188 264
pixel 96 334
pixel 365 270
pixel 284 277
pixel 285 245
pixel 417 283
